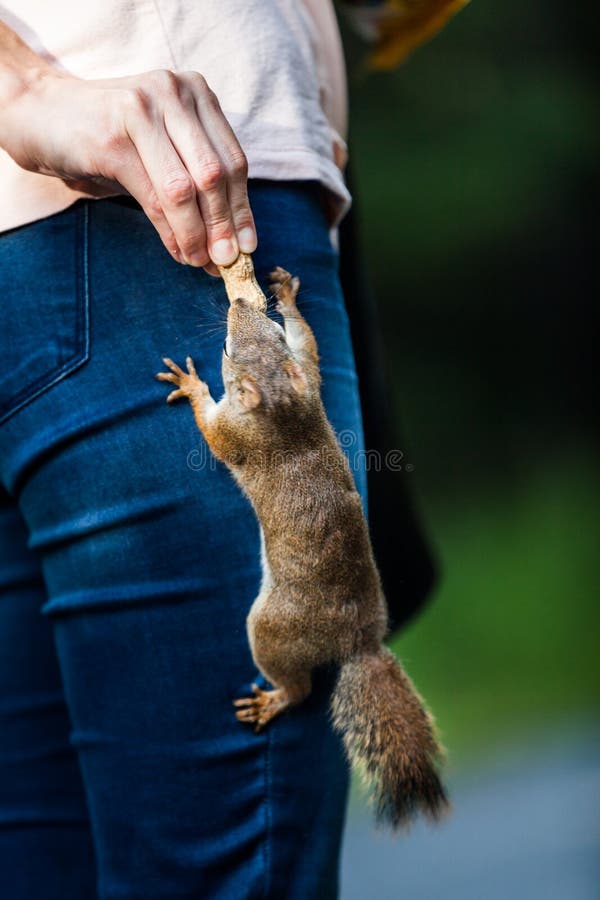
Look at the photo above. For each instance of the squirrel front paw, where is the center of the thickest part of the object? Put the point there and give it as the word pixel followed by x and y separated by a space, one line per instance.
pixel 188 383
pixel 285 288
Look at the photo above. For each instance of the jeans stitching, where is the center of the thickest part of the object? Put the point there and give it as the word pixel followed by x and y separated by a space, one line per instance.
pixel 83 284
pixel 268 812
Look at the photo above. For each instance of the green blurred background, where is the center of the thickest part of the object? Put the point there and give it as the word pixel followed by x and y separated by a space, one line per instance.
pixel 474 175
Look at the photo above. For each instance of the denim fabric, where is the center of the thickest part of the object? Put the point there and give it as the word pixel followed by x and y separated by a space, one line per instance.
pixel 123 771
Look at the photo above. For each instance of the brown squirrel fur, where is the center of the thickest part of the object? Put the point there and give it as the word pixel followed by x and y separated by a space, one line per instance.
pixel 320 600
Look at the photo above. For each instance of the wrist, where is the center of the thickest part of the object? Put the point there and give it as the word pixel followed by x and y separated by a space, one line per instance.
pixel 22 71
pixel 20 89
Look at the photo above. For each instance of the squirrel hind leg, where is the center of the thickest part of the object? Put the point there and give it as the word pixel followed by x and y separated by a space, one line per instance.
pixel 263 706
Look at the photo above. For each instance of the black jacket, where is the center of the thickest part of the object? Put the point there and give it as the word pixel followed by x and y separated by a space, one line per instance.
pixel 404 558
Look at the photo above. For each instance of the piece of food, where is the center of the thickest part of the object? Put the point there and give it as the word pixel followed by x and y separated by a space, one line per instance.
pixel 240 281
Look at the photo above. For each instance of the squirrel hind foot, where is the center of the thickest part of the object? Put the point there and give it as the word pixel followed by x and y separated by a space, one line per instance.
pixel 262 707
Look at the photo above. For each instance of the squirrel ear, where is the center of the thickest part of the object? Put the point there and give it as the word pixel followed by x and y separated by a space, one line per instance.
pixel 249 393
pixel 296 376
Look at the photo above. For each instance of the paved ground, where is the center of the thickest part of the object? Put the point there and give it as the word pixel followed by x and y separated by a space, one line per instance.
pixel 525 827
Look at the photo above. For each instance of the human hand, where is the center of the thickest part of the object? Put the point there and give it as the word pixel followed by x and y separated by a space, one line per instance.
pixel 159 136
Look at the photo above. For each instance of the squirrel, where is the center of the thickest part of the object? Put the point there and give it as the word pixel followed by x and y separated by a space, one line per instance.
pixel 321 600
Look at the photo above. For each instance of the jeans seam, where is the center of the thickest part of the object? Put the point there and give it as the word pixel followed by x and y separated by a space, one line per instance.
pixel 83 283
pixel 268 813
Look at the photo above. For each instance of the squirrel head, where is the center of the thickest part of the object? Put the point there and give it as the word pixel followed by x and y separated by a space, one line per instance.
pixel 260 372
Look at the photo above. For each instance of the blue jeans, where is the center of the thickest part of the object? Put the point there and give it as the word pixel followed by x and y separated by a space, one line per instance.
pixel 123 771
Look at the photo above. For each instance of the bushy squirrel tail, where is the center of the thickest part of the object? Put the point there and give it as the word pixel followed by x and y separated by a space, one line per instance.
pixel 390 737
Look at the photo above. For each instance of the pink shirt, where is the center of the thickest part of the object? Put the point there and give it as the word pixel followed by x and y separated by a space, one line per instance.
pixel 276 66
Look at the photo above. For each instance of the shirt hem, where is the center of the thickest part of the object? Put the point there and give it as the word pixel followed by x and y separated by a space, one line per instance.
pixel 297 164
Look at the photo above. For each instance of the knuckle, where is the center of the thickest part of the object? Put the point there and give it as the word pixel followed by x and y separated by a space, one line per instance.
pixel 113 141
pixel 178 190
pixel 153 207
pixel 193 243
pixel 166 81
pixel 171 244
pixel 186 97
pixel 219 225
pixel 210 174
pixel 137 101
pixel 197 80
pixel 243 219
pixel 212 100
pixel 238 164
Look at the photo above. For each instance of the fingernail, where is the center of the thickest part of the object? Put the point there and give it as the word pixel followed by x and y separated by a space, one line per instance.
pixel 223 252
pixel 247 240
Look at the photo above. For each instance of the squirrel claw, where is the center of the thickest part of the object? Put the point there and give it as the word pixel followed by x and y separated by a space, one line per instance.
pixel 249 716
pixel 187 384
pixel 259 709
pixel 284 286
pixel 171 365
pixel 249 701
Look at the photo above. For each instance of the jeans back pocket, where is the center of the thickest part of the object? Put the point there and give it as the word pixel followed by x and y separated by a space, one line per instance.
pixel 44 312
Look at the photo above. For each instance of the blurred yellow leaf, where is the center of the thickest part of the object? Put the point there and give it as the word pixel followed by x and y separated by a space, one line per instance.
pixel 403 25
